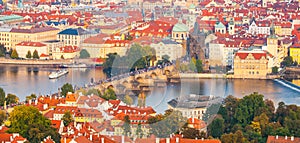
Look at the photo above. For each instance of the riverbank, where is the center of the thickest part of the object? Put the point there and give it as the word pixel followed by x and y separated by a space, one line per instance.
pixel 220 76
pixel 44 63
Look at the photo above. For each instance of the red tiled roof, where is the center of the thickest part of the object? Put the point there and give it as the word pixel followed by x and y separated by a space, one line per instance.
pixel 69 49
pixel 281 139
pixel 256 55
pixel 33 30
pixel 32 44
pixel 71 97
pixel 99 39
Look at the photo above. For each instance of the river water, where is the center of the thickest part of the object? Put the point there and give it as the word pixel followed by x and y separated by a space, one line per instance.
pixel 23 80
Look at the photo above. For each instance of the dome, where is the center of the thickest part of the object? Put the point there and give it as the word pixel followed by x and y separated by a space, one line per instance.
pixel 180 27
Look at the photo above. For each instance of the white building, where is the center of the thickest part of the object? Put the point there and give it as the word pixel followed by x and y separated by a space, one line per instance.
pixel 168 47
pixel 259 27
pixel 23 48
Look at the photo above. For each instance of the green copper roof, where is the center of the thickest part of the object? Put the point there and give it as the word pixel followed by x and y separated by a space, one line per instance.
pixel 10 17
pixel 180 27
pixel 220 25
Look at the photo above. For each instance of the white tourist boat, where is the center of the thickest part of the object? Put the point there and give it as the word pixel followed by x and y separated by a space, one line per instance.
pixel 58 74
pixel 80 65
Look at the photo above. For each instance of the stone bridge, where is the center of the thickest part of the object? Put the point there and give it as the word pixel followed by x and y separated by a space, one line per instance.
pixel 143 81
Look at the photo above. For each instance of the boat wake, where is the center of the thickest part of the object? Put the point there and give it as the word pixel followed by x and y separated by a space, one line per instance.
pixel 288 84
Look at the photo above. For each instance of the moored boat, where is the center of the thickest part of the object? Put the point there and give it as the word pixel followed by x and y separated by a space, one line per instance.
pixel 58 74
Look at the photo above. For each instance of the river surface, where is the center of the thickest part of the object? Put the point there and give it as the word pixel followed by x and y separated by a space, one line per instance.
pixel 23 81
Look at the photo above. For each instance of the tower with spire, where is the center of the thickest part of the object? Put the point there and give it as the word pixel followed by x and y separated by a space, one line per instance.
pixel 272 43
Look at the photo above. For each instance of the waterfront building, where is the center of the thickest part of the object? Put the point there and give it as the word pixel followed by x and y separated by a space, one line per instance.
pixel 66 52
pixel 192 106
pixel 74 36
pixel 23 48
pixel 94 44
pixel 52 45
pixel 168 47
pixel 254 64
pixel 295 52
pixel 5 37
pixel 34 34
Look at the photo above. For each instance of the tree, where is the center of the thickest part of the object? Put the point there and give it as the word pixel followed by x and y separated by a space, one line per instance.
pixel 287 61
pixel 128 100
pixel 107 65
pixel 126 126
pixel 35 54
pixel 216 128
pixel 250 106
pixel 93 91
pixel 3 116
pixel 28 56
pixel 2 96
pixel 31 124
pixel 84 54
pixel 192 66
pixel 211 111
pixel 139 131
pixel 199 66
pixel 67 118
pixel 164 125
pixel 11 99
pixel 2 50
pixel 274 70
pixel 66 88
pixel 30 97
pixel 109 94
pixel 14 54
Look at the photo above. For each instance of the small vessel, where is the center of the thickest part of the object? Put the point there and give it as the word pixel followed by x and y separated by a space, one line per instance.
pixel 58 73
pixel 74 66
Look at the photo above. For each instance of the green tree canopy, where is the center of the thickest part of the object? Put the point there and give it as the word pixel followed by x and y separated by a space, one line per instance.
pixel 216 128
pixel 67 87
pixel 11 99
pixel 94 91
pixel 126 126
pixel 198 65
pixel 2 50
pixel 28 55
pixel 32 96
pixel 84 54
pixel 3 116
pixel 14 54
pixel 67 118
pixel 31 124
pixel 164 125
pixel 109 94
pixel 2 96
pixel 128 100
pixel 35 54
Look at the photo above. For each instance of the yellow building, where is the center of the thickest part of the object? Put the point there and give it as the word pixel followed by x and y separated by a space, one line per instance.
pixel 252 64
pixel 295 52
pixel 5 37
pixel 88 115
pixel 18 35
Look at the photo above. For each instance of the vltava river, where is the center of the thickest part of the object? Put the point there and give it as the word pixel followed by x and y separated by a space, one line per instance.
pixel 23 81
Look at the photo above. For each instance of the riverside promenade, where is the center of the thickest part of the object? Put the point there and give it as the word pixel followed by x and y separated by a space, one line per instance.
pixel 50 63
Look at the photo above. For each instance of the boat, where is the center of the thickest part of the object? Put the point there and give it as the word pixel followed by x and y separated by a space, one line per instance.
pixel 74 66
pixel 57 74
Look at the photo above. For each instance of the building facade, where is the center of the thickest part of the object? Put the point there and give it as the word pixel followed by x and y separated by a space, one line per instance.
pixel 252 64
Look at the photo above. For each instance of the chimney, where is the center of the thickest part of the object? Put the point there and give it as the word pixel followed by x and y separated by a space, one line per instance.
pixel 292 138
pixel 285 137
pixel 167 140
pixel 157 140
pixel 123 139
pixel 276 137
pixel 29 102
pixel 193 120
pixel 91 137
pixel 102 140
pixel 202 139
pixel 65 139
pixel 177 140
